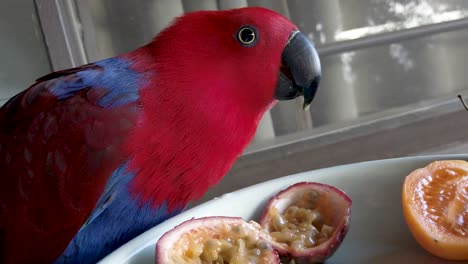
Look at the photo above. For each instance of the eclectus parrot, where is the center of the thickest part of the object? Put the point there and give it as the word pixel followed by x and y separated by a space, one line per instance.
pixel 93 156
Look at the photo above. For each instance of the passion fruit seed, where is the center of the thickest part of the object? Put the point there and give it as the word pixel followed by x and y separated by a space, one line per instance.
pixel 297 226
pixel 224 243
pixel 241 248
pixel 307 221
pixel 262 245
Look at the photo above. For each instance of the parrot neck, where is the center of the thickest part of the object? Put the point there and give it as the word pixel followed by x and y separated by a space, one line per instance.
pixel 184 142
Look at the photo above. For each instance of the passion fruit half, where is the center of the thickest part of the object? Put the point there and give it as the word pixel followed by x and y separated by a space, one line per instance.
pixel 307 221
pixel 216 240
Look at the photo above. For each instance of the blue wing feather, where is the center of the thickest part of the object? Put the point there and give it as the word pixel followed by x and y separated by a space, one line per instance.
pixel 114 74
pixel 117 218
pixel 68 102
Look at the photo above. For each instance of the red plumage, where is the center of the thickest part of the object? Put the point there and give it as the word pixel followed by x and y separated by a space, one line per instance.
pixel 198 110
pixel 216 89
pixel 56 156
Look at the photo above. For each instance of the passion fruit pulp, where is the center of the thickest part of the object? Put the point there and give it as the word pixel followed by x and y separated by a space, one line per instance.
pixel 216 240
pixel 307 221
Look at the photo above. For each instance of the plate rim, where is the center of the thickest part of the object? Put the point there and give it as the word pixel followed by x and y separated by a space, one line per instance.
pixel 129 249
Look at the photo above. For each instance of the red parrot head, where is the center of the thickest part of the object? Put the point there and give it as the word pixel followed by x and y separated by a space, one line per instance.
pixel 214 74
pixel 251 55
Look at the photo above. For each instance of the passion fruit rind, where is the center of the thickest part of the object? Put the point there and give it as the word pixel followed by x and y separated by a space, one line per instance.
pixel 314 206
pixel 216 239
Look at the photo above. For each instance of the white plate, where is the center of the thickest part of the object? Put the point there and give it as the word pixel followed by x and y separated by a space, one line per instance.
pixel 378 233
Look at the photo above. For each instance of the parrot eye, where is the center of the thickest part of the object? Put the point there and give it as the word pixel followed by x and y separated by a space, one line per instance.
pixel 247 36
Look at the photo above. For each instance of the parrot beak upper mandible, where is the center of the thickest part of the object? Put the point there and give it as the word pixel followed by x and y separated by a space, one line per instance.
pixel 300 70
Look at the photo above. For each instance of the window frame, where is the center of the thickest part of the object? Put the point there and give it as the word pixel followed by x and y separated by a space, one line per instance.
pixel 59 22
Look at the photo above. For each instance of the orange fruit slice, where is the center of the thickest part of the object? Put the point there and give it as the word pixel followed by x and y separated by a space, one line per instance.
pixel 435 206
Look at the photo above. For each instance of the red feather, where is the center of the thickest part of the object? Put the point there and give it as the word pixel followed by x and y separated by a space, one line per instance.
pixel 199 110
pixel 217 91
pixel 56 156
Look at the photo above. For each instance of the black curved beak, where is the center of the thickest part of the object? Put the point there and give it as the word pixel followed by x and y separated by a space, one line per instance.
pixel 300 71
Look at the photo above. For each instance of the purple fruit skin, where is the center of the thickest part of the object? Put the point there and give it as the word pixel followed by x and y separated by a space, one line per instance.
pixel 320 253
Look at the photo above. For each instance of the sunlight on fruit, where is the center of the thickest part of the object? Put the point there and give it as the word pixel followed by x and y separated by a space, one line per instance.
pixel 435 206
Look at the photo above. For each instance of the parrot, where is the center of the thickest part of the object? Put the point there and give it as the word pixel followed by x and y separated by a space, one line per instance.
pixel 95 155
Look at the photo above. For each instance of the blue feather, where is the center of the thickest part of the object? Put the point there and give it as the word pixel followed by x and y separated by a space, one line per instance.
pixel 114 74
pixel 117 218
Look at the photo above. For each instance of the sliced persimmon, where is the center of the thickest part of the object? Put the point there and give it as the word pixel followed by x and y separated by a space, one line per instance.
pixel 435 206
